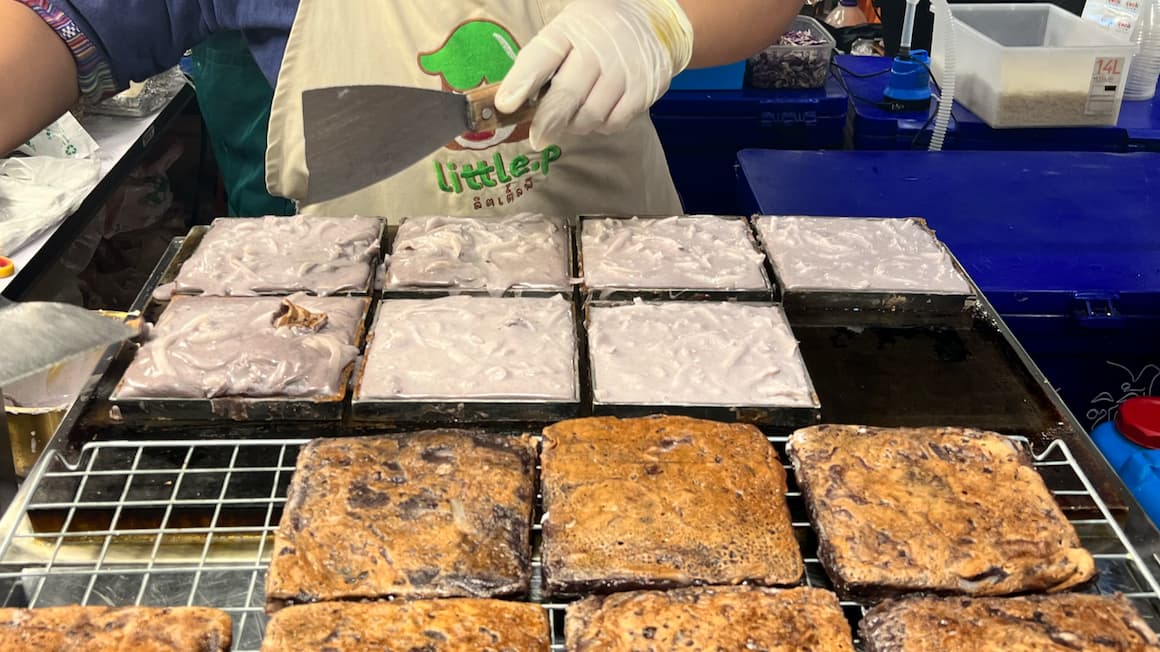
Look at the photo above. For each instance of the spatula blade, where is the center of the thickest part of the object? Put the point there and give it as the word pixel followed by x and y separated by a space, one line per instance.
pixel 357 136
pixel 39 335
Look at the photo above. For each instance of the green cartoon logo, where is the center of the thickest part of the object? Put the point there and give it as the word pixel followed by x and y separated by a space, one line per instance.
pixel 479 52
pixel 476 53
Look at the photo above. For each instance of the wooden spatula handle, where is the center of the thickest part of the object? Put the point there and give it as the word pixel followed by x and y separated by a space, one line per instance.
pixel 484 116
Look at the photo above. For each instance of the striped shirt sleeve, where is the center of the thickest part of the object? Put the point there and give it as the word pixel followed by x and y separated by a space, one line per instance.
pixel 94 75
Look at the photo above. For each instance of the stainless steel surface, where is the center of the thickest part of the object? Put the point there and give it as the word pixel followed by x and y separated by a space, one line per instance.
pixel 357 136
pixel 39 335
pixel 173 523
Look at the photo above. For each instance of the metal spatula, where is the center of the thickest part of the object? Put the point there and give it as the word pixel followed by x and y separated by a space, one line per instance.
pixel 357 136
pixel 35 336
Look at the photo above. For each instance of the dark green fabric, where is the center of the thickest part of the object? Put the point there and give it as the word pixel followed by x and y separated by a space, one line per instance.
pixel 235 100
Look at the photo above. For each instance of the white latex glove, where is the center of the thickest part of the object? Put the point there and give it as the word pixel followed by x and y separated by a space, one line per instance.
pixel 608 62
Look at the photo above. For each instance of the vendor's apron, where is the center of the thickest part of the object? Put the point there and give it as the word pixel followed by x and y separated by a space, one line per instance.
pixel 454 45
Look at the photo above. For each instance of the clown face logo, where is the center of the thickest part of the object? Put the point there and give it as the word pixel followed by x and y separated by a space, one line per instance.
pixel 476 53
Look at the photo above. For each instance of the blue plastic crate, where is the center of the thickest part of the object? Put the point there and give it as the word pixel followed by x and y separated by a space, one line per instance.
pixel 1066 245
pixel 730 77
pixel 702 131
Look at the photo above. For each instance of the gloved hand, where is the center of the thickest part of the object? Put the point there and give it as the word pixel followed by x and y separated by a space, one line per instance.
pixel 608 62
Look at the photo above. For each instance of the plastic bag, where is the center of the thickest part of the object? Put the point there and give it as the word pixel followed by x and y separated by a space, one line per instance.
pixel 144 199
pixel 1116 16
pixel 65 138
pixel 144 98
pixel 36 193
pixel 142 219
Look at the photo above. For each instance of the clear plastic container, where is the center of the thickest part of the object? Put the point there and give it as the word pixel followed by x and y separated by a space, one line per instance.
pixel 846 14
pixel 1145 68
pixel 1034 65
pixel 794 66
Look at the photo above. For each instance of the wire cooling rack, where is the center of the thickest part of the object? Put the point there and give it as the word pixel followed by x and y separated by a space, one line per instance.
pixel 167 523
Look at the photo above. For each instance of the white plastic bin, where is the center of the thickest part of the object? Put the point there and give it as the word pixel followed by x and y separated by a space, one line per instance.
pixel 1034 65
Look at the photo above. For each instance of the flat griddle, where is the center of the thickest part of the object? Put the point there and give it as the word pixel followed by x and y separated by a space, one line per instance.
pixel 181 511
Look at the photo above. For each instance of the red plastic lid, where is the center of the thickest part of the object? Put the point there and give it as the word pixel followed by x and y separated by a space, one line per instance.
pixel 1139 420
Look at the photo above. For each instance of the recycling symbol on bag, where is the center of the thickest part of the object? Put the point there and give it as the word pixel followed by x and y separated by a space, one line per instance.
pixel 477 52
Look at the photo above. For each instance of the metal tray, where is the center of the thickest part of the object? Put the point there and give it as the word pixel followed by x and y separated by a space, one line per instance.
pixel 671 294
pixel 233 408
pixel 787 417
pixel 432 292
pixel 411 412
pixel 206 542
pixel 192 241
pixel 176 523
pixel 805 299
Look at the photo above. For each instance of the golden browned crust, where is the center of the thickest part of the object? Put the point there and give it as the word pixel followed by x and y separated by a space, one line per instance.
pixel 440 513
pixel 294 316
pixel 455 625
pixel 709 618
pixel 662 502
pixel 942 510
pixel 115 629
pixel 1054 623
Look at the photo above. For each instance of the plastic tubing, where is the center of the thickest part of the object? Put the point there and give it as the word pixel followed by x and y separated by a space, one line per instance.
pixel 908 26
pixel 946 100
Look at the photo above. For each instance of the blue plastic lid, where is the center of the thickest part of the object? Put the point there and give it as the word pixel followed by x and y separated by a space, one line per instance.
pixel 1139 420
pixel 848 3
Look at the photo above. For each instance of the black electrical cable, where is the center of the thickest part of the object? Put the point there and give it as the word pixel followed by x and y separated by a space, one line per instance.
pixel 845 87
pixel 857 75
pixel 933 114
pixel 921 131
pixel 930 73
pixel 884 105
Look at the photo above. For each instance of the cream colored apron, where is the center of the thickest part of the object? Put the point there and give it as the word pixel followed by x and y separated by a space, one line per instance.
pixel 454 45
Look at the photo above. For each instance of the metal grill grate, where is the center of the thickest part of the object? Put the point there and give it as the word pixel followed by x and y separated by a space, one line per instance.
pixel 166 523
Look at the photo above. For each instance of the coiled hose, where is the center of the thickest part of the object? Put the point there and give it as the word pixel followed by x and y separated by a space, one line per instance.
pixel 946 100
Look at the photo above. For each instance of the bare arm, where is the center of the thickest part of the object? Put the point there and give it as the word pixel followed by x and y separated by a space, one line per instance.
pixel 725 31
pixel 38 76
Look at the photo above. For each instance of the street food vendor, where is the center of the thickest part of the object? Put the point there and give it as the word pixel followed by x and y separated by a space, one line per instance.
pixel 591 147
